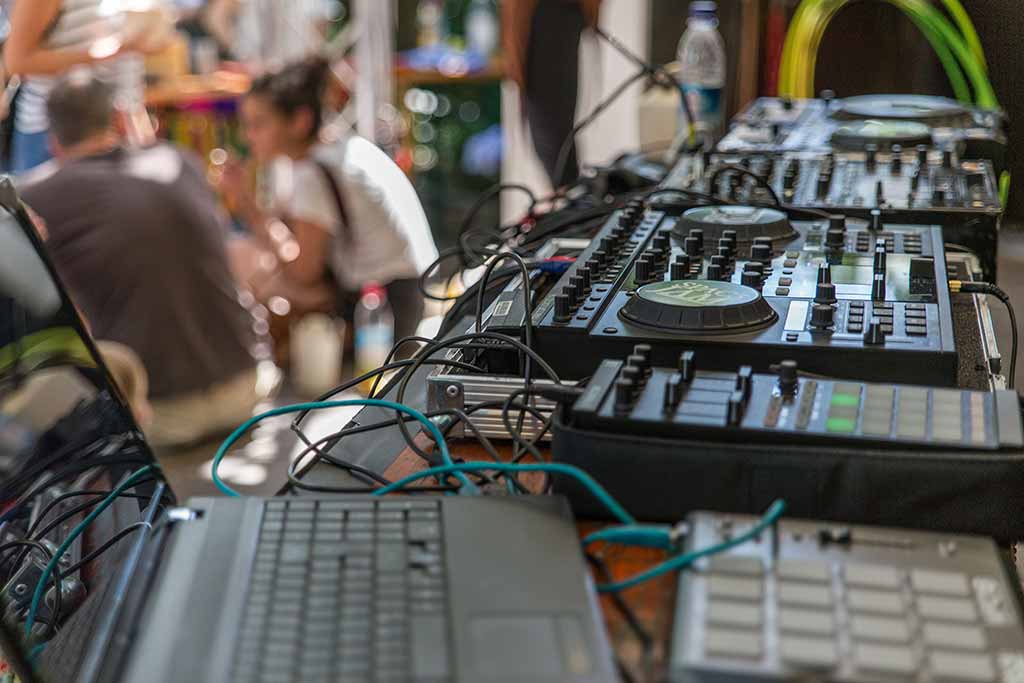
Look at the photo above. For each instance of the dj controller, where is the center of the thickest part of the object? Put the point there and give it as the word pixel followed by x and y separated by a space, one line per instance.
pixel 915 185
pixel 747 285
pixel 777 125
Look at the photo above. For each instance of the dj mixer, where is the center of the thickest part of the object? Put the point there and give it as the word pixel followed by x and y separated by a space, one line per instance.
pixel 746 285
pixel 917 185
pixel 853 124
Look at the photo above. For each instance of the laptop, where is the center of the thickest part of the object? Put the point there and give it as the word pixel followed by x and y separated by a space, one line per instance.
pixel 342 589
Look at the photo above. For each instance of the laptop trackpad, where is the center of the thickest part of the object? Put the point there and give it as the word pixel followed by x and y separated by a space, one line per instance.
pixel 555 643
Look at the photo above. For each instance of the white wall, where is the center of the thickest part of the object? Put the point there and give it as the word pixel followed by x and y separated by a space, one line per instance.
pixel 602 70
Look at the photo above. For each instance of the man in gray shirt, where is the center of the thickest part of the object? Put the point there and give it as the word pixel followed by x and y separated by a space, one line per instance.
pixel 137 238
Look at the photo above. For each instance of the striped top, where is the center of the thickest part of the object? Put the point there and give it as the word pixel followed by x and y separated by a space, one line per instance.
pixel 81 24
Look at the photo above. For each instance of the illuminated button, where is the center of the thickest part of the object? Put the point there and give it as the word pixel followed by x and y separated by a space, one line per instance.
pixel 782 291
pixel 845 400
pixel 841 425
pixel 785 281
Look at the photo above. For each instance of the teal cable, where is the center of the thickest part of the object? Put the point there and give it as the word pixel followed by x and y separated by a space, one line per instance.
pixel 588 482
pixel 686 559
pixel 44 578
pixel 442 446
pixel 644 535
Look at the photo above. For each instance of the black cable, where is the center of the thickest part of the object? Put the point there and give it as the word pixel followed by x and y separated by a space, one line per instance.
pixel 645 638
pixel 76 494
pixel 759 179
pixel 28 546
pixel 427 352
pixel 370 375
pixel 294 479
pixel 110 543
pixel 563 153
pixel 465 230
pixel 960 286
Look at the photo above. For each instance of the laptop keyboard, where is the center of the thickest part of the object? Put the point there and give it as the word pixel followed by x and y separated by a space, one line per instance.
pixel 347 592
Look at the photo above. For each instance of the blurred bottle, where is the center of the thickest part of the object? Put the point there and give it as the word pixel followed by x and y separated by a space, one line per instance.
pixel 702 62
pixel 430 22
pixel 316 354
pixel 375 331
pixel 482 27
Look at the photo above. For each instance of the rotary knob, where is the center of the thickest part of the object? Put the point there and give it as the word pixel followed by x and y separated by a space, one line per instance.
pixel 643 271
pixel 947 158
pixel 715 272
pixel 662 242
pixel 692 246
pixel 752 279
pixel 835 239
pixel 698 234
pixel 824 273
pixel 731 237
pixel 761 253
pixel 896 165
pixel 823 316
pixel 825 293
pixel 624 391
pixel 679 270
pixel 789 377
pixel 752 267
pixel 563 308
pixel 922 155
pixel 871 157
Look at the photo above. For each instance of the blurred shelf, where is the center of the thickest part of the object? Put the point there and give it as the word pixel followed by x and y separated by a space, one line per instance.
pixel 408 77
pixel 220 86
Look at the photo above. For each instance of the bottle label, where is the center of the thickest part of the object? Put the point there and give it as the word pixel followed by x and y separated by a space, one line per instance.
pixel 706 105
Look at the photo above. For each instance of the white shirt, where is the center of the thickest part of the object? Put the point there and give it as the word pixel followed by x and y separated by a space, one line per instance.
pixel 81 24
pixel 388 237
pixel 271 33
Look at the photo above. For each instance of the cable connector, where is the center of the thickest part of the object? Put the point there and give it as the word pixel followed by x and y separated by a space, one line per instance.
pixel 559 393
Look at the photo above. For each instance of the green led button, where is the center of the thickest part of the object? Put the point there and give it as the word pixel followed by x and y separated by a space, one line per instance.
pixel 845 400
pixel 841 424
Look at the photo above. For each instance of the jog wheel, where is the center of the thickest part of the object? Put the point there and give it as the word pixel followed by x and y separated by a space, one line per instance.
pixel 921 108
pixel 749 222
pixel 856 136
pixel 699 306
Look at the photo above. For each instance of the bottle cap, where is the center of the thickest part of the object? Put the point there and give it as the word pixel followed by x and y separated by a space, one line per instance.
pixel 702 8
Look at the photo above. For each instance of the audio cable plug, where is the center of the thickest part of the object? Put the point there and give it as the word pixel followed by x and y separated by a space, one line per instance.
pixel 961 287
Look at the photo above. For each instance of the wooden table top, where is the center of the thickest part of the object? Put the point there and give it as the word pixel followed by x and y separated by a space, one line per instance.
pixel 653 602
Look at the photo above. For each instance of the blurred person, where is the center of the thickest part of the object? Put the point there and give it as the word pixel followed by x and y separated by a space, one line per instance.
pixel 541 45
pixel 50 37
pixel 344 215
pixel 136 236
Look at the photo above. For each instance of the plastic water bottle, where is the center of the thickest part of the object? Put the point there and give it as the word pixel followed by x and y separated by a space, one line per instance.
pixel 482 27
pixel 701 57
pixel 375 330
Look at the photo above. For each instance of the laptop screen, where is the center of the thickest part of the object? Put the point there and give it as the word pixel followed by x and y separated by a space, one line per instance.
pixel 77 480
